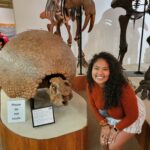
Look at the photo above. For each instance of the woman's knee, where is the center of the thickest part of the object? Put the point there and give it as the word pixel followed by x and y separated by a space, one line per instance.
pixel 121 139
pixel 115 146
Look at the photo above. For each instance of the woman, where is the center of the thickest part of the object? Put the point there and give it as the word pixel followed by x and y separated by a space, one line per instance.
pixel 119 112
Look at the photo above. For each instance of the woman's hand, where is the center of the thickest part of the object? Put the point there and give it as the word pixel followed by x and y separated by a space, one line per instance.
pixel 104 135
pixel 113 134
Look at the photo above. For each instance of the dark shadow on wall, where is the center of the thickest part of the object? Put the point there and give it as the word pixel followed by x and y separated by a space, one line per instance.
pixel 106 35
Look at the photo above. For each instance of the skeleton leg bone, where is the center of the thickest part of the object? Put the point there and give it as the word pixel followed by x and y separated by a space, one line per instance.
pixel 123 21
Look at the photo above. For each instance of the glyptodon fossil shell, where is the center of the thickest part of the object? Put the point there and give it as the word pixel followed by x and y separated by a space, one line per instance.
pixel 29 57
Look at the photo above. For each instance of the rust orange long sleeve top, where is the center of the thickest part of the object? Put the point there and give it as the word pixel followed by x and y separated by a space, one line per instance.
pixel 126 111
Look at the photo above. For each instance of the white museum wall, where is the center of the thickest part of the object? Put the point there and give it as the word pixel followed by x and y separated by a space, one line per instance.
pixel 106 34
pixel 103 37
pixel 27 16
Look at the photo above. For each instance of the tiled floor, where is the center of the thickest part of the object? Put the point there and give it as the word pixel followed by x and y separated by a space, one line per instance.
pixel 134 67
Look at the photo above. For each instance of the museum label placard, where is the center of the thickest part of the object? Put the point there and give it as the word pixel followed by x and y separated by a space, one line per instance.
pixel 16 111
pixel 42 116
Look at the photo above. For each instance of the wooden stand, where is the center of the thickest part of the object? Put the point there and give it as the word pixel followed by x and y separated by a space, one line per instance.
pixel 68 132
pixel 72 141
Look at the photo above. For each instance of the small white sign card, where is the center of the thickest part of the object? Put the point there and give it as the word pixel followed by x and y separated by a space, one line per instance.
pixel 42 116
pixel 16 111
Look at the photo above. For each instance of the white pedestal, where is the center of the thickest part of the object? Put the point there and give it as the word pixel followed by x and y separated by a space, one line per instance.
pixel 69 128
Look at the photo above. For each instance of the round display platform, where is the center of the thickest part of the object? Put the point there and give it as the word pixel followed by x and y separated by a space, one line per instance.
pixel 67 133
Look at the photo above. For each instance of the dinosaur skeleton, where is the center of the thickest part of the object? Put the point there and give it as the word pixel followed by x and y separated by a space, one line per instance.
pixel 62 11
pixel 144 86
pixel 131 7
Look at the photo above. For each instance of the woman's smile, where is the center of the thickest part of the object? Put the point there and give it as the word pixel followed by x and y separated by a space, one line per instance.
pixel 100 72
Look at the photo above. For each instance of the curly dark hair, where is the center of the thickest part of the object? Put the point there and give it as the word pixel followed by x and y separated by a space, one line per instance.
pixel 113 87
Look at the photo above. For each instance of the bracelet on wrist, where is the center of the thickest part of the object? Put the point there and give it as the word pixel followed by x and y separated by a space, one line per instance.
pixel 116 129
